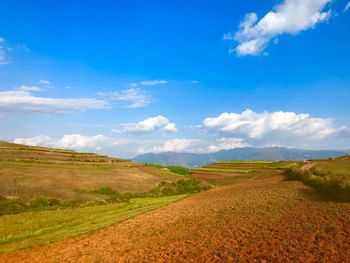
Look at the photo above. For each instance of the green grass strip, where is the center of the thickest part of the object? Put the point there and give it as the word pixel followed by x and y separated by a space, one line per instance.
pixel 24 230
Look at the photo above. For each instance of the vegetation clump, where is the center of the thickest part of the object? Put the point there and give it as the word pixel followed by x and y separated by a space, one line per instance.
pixel 184 171
pixel 182 186
pixel 104 195
pixel 11 206
pixel 330 186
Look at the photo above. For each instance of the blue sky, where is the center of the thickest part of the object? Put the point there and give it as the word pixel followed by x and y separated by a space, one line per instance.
pixel 127 77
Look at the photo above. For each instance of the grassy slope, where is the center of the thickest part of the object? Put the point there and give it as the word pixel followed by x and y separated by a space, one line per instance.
pixel 27 172
pixel 330 177
pixel 30 172
pixel 223 173
pixel 32 228
pixel 338 166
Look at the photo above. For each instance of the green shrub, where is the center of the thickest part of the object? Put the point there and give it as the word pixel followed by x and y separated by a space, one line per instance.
pixel 179 170
pixel 104 190
pixel 11 206
pixel 174 169
pixel 329 186
pixel 44 202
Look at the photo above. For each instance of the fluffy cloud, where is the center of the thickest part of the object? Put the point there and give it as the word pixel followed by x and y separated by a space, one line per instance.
pixel 174 145
pixel 153 82
pixel 285 124
pixel 40 140
pixel 26 88
pixel 196 145
pixel 289 17
pixel 71 141
pixel 22 100
pixel 150 124
pixel 135 97
pixel 227 144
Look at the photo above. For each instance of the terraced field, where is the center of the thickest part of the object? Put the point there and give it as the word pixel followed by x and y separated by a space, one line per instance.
pixel 263 220
pixel 28 172
pixel 250 214
pixel 228 172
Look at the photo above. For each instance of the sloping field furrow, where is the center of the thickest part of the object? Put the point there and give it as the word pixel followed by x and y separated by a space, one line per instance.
pixel 264 219
pixel 236 165
pixel 24 230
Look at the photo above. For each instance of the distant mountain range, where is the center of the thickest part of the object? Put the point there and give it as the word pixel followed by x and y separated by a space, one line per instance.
pixel 248 153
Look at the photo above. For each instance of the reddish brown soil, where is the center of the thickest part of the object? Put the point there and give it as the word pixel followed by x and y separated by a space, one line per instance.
pixel 210 175
pixel 265 220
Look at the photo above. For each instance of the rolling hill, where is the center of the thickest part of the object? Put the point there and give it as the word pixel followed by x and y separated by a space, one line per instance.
pixel 248 153
pixel 28 172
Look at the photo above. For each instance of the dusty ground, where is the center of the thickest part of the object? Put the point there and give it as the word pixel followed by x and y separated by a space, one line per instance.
pixel 257 220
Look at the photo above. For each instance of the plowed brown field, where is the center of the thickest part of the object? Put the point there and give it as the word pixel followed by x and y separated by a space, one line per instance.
pixel 262 220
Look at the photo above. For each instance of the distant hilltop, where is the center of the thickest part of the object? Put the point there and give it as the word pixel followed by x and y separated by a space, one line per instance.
pixel 248 153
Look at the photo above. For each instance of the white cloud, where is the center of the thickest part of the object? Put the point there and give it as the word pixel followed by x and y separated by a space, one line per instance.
pixel 40 140
pixel 135 97
pixel 70 141
pixel 227 144
pixel 77 141
pixel 26 88
pixel 44 81
pixel 287 124
pixel 174 145
pixel 288 17
pixel 22 100
pixel 193 145
pixel 153 82
pixel 150 124
pixel 347 7
pixel 171 127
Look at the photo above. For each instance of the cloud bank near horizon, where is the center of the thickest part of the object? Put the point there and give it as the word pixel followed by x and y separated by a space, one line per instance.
pixel 224 132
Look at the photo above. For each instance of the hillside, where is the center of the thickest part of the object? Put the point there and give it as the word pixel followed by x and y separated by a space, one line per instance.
pixel 253 212
pixel 28 172
pixel 330 177
pixel 248 153
pixel 263 220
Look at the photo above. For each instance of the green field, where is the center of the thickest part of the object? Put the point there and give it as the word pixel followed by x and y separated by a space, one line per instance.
pixel 32 228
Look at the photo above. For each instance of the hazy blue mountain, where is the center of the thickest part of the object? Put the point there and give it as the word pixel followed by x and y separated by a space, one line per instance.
pixel 271 153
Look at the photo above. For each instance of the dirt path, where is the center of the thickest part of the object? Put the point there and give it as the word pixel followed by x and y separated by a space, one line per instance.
pixel 266 219
pixel 307 166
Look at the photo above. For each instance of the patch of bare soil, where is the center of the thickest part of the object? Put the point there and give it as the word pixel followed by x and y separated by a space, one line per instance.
pixel 210 175
pixel 264 220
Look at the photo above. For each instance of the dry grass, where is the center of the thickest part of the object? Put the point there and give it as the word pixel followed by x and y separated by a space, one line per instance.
pixel 27 172
pixel 338 166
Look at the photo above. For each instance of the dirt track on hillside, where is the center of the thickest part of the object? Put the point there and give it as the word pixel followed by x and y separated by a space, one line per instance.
pixel 266 219
pixel 307 166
